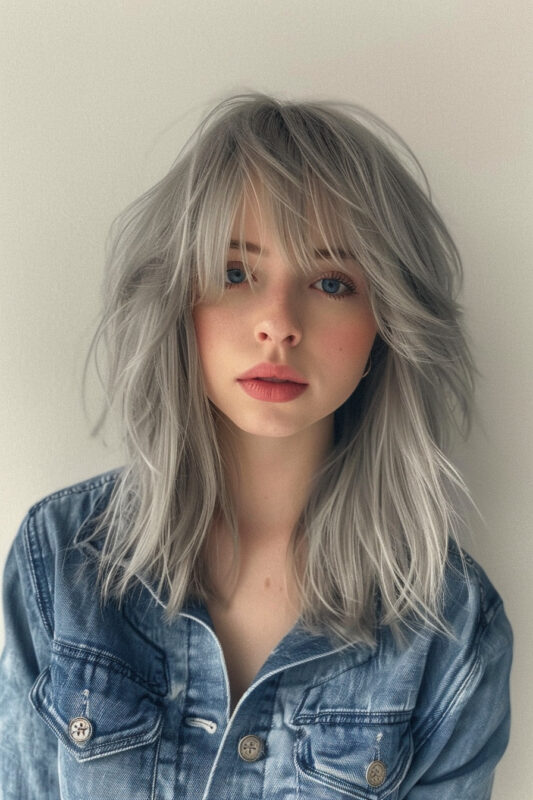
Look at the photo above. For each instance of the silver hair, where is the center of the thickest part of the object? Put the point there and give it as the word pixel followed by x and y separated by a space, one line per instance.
pixel 384 505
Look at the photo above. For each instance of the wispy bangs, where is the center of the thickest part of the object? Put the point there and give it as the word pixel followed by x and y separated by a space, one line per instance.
pixel 302 206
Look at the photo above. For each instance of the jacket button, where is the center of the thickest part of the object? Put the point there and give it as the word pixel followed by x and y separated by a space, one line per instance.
pixel 376 773
pixel 251 748
pixel 80 730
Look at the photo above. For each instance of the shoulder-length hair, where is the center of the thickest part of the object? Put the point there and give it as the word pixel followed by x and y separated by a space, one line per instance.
pixel 383 506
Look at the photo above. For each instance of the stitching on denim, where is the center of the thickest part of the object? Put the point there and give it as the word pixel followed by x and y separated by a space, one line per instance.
pixel 270 726
pixel 130 742
pixel 492 611
pixel 95 656
pixel 47 622
pixel 474 669
pixel 149 642
pixel 354 716
pixel 485 612
pixel 295 762
pixel 482 620
pixel 328 678
pixel 226 679
pixel 78 488
pixel 156 765
pixel 55 723
pixel 332 782
pixel 32 547
pixel 359 792
pixel 86 711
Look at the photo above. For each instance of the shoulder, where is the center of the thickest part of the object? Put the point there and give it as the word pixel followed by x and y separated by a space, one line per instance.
pixel 472 660
pixel 461 715
pixel 80 496
pixel 470 600
pixel 45 548
pixel 56 519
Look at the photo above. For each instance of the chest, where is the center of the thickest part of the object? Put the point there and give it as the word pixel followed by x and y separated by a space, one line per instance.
pixel 248 629
pixel 254 611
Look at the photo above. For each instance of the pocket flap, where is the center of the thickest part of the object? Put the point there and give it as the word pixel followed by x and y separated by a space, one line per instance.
pixel 114 712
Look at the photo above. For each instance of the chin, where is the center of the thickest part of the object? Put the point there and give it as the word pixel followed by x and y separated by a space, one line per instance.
pixel 270 431
pixel 268 425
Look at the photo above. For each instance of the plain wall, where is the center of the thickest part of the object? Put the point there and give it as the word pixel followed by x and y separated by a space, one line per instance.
pixel 97 99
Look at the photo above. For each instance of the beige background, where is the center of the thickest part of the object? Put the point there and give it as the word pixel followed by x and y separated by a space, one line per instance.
pixel 97 98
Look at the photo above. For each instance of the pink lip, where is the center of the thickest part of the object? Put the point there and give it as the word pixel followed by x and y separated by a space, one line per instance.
pixel 272 392
pixel 255 383
pixel 267 370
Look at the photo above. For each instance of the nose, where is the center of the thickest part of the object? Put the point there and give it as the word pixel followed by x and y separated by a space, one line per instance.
pixel 278 322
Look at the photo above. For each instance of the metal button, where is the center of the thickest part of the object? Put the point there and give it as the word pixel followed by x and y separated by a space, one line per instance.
pixel 376 773
pixel 80 730
pixel 251 748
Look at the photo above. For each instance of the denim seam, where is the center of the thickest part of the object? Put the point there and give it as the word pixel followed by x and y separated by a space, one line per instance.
pixel 33 550
pixel 491 612
pixel 474 669
pixel 156 764
pixel 355 717
pixel 32 553
pixel 54 722
pixel 157 649
pixel 329 678
pixel 484 618
pixel 486 613
pixel 325 779
pixel 79 488
pixel 270 726
pixel 136 740
pixel 295 763
pixel 101 658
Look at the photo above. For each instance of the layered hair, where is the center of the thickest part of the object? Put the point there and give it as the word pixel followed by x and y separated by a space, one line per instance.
pixel 383 506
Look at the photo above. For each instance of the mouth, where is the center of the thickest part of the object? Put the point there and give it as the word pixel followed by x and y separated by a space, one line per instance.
pixel 271 380
pixel 272 390
pixel 270 372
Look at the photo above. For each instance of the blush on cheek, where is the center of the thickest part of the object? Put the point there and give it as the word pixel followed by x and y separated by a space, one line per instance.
pixel 349 344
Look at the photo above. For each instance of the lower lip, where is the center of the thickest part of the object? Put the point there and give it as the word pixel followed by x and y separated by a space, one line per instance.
pixel 273 392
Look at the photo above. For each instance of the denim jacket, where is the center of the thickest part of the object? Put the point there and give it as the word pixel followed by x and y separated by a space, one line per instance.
pixel 103 703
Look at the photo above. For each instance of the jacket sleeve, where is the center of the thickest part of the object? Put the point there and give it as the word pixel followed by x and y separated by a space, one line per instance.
pixel 28 749
pixel 460 743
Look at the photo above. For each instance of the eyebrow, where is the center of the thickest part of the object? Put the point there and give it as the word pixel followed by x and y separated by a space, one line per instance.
pixel 323 252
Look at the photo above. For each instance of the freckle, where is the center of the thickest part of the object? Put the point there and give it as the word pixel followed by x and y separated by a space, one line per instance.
pixel 267 583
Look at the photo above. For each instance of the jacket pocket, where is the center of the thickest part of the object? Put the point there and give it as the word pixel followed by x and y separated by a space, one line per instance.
pixel 107 720
pixel 359 754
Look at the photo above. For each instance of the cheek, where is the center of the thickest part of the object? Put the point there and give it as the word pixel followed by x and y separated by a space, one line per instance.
pixel 215 331
pixel 349 343
pixel 209 325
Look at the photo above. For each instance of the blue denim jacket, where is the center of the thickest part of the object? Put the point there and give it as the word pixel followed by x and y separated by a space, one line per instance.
pixel 109 704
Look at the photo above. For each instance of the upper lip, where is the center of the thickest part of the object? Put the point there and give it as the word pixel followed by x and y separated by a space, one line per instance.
pixel 268 370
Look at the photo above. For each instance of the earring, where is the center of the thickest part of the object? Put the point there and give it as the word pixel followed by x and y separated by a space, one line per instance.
pixel 369 367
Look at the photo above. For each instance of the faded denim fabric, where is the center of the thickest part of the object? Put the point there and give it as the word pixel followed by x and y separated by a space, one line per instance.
pixel 426 722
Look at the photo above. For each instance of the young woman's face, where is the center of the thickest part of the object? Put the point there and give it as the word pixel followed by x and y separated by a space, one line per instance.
pixel 320 326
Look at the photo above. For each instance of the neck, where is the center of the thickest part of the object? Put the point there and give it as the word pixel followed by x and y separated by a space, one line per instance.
pixel 270 477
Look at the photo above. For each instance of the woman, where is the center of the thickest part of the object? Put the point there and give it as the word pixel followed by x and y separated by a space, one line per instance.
pixel 267 600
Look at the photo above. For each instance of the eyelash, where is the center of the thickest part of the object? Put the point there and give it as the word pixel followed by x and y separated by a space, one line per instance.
pixel 335 276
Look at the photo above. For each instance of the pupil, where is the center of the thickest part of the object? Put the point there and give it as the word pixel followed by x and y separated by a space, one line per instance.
pixel 235 273
pixel 331 284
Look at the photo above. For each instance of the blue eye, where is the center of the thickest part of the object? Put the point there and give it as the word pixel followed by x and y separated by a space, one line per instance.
pixel 335 287
pixel 235 276
pixel 330 285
